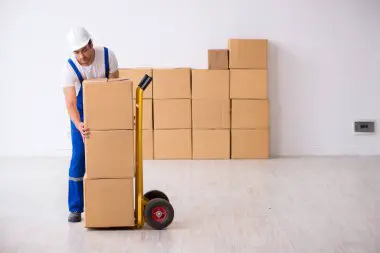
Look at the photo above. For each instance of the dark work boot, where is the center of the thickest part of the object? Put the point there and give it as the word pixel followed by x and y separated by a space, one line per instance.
pixel 75 217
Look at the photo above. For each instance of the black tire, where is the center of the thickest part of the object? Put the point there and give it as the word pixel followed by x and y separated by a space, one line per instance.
pixel 158 213
pixel 154 194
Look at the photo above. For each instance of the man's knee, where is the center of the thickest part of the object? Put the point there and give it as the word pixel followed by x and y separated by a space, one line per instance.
pixel 77 167
pixel 78 152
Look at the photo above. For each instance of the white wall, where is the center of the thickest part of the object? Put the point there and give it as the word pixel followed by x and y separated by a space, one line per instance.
pixel 324 63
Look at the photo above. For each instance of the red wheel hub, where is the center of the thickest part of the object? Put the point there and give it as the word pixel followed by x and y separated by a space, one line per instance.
pixel 159 214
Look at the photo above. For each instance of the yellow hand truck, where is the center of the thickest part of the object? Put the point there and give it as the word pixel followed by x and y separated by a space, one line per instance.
pixel 153 207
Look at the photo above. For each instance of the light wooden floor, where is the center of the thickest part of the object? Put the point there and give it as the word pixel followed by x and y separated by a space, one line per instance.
pixel 281 205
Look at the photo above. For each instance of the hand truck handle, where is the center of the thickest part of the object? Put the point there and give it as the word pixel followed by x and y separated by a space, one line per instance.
pixel 144 83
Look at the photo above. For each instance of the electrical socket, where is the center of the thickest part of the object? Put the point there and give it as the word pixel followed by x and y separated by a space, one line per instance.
pixel 364 126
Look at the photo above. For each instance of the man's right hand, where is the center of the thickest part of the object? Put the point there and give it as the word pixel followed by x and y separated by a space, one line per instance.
pixel 84 131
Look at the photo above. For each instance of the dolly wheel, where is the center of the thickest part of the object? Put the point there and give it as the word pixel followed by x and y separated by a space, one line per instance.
pixel 155 194
pixel 158 213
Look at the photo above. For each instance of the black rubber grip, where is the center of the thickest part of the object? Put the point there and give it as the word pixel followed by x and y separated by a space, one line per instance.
pixel 144 83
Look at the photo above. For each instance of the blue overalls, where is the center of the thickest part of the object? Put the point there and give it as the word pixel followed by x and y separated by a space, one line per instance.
pixel 77 164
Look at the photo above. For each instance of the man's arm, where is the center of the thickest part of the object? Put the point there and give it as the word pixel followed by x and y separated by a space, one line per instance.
pixel 71 105
pixel 114 74
pixel 114 66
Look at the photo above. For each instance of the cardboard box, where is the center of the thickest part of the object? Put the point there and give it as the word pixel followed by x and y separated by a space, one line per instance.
pixel 136 74
pixel 172 113
pixel 171 83
pixel 147 113
pixel 218 59
pixel 108 104
pixel 210 84
pixel 249 144
pixel 147 140
pixel 248 53
pixel 250 114
pixel 211 144
pixel 110 154
pixel 248 83
pixel 172 144
pixel 108 203
pixel 211 114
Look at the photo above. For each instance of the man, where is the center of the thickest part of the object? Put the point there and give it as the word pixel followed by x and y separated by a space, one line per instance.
pixel 87 62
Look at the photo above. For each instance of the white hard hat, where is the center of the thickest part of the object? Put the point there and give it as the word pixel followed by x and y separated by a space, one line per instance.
pixel 78 37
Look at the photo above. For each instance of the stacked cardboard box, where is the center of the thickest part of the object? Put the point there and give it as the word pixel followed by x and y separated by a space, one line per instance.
pixel 248 92
pixel 172 113
pixel 135 75
pixel 218 59
pixel 210 114
pixel 109 153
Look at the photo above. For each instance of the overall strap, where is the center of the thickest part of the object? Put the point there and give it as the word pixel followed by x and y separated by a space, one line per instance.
pixel 106 61
pixel 76 71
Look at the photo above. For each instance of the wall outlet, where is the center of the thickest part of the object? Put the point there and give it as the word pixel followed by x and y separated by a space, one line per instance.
pixel 364 126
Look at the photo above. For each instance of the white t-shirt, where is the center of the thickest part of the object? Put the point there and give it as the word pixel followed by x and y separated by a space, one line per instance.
pixel 95 70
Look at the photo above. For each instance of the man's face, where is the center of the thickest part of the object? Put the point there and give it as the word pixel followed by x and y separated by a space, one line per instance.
pixel 85 54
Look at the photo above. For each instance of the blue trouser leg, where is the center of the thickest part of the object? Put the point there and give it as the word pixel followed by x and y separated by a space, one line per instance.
pixel 76 171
